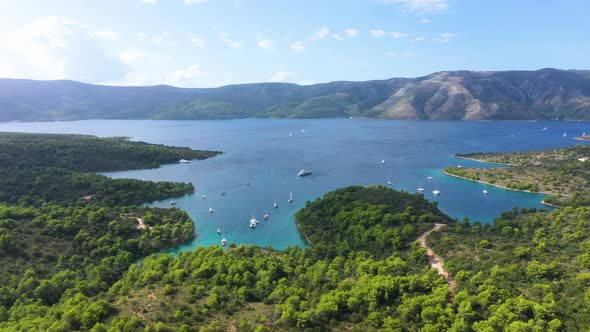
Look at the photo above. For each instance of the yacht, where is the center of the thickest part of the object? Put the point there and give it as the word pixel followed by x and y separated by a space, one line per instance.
pixel 223 241
pixel 485 192
pixel 219 231
pixel 436 192
pixel 275 205
pixel 204 196
pixel 184 161
pixel 290 200
pixel 222 193
pixel 173 203
pixel 304 172
pixel 382 161
pixel 420 189
pixel 291 134
pixel 564 135
pixel 429 177
pixel 266 216
pixel 210 210
pixel 389 183
pixel 253 222
pixel 544 129
pixel 459 166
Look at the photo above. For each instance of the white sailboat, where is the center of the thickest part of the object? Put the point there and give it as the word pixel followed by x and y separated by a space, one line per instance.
pixel 275 205
pixel 204 196
pixel 290 200
pixel 485 192
pixel 219 231
pixel 211 210
pixel 266 216
pixel 223 242
pixel 382 161
pixel 564 134
pixel 253 222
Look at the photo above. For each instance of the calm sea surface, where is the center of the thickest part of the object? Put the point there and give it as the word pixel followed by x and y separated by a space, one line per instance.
pixel 269 153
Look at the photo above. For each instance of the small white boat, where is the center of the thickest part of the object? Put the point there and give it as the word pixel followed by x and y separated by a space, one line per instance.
pixel 420 189
pixel 382 161
pixel 222 193
pixel 485 192
pixel 544 129
pixel 389 183
pixel 459 167
pixel 219 231
pixel 291 134
pixel 204 196
pixel 223 241
pixel 304 172
pixel 583 134
pixel 430 178
pixel 290 200
pixel 302 130
pixel 184 161
pixel 564 135
pixel 210 210
pixel 253 222
pixel 275 205
pixel 173 203
pixel 436 192
pixel 266 216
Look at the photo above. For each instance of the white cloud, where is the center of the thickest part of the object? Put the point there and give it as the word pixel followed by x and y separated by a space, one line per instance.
pixel 141 35
pixel 391 54
pixel 183 76
pixel 198 42
pixel 190 2
pixel 298 46
pixel 265 43
pixel 445 37
pixel 322 33
pixel 424 21
pixel 421 6
pixel 336 36
pixel 282 76
pixel 149 1
pixel 419 38
pixel 231 43
pixel 350 32
pixel 162 38
pixel 404 54
pixel 107 34
pixel 57 48
pixel 398 35
pixel 377 33
pixel 409 54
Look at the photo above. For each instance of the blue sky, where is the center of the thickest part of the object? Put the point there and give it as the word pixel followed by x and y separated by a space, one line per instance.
pixel 200 43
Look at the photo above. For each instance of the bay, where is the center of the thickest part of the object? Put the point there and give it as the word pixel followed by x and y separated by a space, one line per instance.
pixel 262 157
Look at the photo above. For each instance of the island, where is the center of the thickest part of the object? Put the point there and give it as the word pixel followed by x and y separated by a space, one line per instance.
pixel 381 259
pixel 561 173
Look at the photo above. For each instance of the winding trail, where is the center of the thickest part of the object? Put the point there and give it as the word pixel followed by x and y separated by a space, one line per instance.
pixel 435 261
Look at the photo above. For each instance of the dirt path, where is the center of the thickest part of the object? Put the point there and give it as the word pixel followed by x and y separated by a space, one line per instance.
pixel 435 261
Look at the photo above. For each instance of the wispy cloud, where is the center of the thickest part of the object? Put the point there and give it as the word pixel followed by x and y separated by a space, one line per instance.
pixel 301 45
pixel 398 35
pixel 377 33
pixel 107 34
pixel 265 43
pixel 184 75
pixel 337 36
pixel 282 76
pixel 351 32
pixel 149 1
pixel 198 42
pixel 231 43
pixel 424 21
pixel 419 38
pixel 445 37
pixel 190 2
pixel 421 6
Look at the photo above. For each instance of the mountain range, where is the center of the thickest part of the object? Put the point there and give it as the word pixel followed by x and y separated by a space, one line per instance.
pixel 448 95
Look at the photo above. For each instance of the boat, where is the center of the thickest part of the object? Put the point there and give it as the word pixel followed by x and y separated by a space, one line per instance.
pixel 436 192
pixel 253 222
pixel 223 241
pixel 173 203
pixel 184 161
pixel 275 205
pixel 583 134
pixel 222 193
pixel 430 178
pixel 291 134
pixel 544 129
pixel 303 172
pixel 219 231
pixel 290 200
pixel 485 192
pixel 389 183
pixel 459 166
pixel 266 216
pixel 382 161
pixel 210 210
pixel 420 189
pixel 564 135
pixel 204 196
pixel 302 130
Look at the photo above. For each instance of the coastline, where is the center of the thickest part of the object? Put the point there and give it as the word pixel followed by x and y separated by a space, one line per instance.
pixel 502 187
pixel 484 161
pixel 300 232
pixel 550 205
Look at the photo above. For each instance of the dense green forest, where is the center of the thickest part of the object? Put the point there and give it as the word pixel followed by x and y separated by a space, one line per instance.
pixel 70 264
pixel 564 173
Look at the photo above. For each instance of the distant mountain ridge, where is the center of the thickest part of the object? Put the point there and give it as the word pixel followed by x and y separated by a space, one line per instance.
pixel 448 95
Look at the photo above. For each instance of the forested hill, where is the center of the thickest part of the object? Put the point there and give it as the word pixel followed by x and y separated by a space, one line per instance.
pixel 452 95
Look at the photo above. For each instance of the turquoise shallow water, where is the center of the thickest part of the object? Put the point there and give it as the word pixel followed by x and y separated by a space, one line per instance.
pixel 340 152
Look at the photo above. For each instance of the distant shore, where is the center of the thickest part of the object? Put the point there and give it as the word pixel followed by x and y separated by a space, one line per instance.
pixel 502 187
pixel 484 161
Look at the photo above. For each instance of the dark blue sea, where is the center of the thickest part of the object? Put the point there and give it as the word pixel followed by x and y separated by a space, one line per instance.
pixel 340 152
